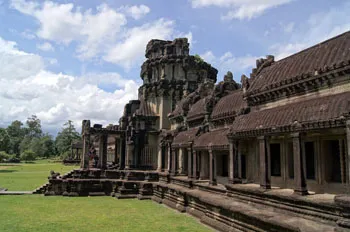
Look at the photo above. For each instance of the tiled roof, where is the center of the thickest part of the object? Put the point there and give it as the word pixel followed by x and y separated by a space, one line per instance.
pixel 185 137
pixel 197 110
pixel 328 55
pixel 178 109
pixel 145 109
pixel 313 110
pixel 215 139
pixel 229 105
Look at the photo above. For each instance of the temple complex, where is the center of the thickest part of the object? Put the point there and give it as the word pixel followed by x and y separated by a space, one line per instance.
pixel 271 153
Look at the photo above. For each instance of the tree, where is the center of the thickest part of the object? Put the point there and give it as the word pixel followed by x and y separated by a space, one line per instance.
pixel 66 137
pixel 28 155
pixel 4 156
pixel 4 140
pixel 16 133
pixel 34 127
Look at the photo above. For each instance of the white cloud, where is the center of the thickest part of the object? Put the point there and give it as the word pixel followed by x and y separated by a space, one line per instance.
pixel 16 64
pixel 240 9
pixel 229 62
pixel 56 97
pixel 136 12
pixel 64 23
pixel 46 46
pixel 319 27
pixel 131 49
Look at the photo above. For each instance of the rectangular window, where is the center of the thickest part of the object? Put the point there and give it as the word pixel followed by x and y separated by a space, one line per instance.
pixel 290 155
pixel 275 151
pixel 310 160
pixel 333 162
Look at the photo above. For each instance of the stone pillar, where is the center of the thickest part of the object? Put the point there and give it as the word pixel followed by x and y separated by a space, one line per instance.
pixel 189 163
pixel 129 154
pixel 194 170
pixel 71 152
pixel 348 149
pixel 159 160
pixel 173 162
pixel 231 159
pixel 180 161
pixel 169 159
pixel 299 171
pixel 265 173
pixel 86 147
pixel 116 149
pixel 212 168
pixel 102 150
pixel 77 154
pixel 122 152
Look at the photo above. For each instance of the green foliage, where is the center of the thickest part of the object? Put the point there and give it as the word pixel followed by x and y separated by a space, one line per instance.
pixel 198 59
pixel 28 155
pixel 66 137
pixel 16 133
pixel 33 127
pixel 4 156
pixel 4 140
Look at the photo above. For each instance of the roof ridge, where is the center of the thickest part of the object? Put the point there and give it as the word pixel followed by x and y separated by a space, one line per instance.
pixel 313 46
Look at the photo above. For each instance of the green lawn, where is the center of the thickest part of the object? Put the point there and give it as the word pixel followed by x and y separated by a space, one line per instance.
pixel 27 177
pixel 39 213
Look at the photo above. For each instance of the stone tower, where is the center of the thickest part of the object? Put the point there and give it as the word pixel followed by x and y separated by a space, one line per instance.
pixel 169 74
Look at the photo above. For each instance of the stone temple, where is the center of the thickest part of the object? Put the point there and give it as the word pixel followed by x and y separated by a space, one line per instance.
pixel 271 153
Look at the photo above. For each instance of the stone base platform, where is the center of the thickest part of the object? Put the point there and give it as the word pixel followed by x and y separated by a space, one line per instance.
pixel 238 207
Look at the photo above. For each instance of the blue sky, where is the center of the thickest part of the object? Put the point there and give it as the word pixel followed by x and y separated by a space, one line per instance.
pixel 81 59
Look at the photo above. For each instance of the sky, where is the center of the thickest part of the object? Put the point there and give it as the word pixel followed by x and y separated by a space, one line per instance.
pixel 74 60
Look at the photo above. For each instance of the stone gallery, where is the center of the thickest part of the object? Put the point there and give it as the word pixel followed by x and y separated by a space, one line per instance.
pixel 271 153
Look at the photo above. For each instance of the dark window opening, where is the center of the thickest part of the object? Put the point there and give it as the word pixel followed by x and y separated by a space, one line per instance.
pixel 275 151
pixel 225 164
pixel 310 160
pixel 290 160
pixel 333 161
pixel 243 167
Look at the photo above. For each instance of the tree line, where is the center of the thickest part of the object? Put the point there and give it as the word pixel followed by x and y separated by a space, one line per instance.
pixel 26 141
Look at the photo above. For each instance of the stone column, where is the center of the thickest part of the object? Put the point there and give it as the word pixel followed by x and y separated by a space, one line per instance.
pixel 231 159
pixel 194 170
pixel 116 149
pixel 299 171
pixel 189 163
pixel 204 166
pixel 129 154
pixel 86 147
pixel 160 157
pixel 169 159
pixel 348 149
pixel 173 162
pixel 102 150
pixel 212 168
pixel 265 173
pixel 122 152
pixel 180 161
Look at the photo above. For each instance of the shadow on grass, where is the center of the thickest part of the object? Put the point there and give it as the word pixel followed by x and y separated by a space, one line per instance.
pixel 7 171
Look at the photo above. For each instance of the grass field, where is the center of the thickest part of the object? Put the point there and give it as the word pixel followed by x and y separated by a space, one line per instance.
pixel 27 177
pixel 39 213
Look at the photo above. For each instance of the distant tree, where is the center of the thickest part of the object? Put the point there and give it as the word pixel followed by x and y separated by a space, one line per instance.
pixel 16 133
pixel 4 140
pixel 47 146
pixel 28 155
pixel 33 127
pixel 66 137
